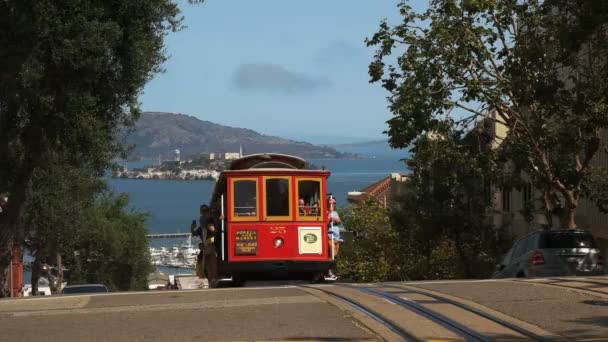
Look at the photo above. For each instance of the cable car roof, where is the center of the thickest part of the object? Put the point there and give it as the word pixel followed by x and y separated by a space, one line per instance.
pixel 268 160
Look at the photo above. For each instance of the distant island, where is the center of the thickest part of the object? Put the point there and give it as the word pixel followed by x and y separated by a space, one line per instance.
pixel 372 149
pixel 198 169
pixel 206 167
pixel 158 134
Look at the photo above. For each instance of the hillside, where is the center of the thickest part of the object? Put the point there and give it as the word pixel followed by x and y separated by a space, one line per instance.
pixel 157 134
pixel 376 148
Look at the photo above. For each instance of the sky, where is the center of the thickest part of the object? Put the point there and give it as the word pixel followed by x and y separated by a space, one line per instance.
pixel 296 69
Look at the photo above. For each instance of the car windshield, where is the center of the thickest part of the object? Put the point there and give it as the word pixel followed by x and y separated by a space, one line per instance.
pixel 85 289
pixel 567 240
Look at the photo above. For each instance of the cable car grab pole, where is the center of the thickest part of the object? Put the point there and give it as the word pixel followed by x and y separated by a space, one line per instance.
pixel 331 220
pixel 223 233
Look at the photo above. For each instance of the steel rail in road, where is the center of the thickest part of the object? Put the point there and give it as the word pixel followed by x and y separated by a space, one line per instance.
pixel 478 312
pixel 370 313
pixel 411 305
pixel 584 281
pixel 558 284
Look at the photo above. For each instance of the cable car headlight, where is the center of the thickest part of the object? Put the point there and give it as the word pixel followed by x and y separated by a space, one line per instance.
pixel 278 242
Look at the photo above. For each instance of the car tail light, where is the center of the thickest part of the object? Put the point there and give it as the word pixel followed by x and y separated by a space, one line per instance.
pixel 537 258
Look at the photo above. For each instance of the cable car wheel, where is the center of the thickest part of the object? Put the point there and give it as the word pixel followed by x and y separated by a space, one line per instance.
pixel 238 280
pixel 317 278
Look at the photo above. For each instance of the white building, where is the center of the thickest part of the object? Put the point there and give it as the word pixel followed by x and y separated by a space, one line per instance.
pixel 232 155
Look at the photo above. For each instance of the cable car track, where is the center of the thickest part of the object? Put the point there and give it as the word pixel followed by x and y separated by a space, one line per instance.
pixel 455 327
pixel 583 280
pixel 370 313
pixel 485 315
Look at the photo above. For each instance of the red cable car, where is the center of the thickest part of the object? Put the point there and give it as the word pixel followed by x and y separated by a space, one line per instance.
pixel 275 219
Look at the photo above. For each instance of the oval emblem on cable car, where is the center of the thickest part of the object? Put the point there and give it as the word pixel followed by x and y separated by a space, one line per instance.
pixel 310 238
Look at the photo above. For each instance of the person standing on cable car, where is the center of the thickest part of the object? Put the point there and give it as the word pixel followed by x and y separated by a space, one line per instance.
pixel 217 218
pixel 210 252
pixel 201 232
pixel 334 223
pixel 196 231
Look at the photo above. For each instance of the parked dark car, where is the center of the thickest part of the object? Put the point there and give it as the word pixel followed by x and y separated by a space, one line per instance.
pixel 85 288
pixel 552 253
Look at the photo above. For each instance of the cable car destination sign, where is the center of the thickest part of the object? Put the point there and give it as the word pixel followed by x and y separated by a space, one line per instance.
pixel 246 242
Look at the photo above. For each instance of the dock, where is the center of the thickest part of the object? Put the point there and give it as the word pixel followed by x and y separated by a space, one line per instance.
pixel 168 236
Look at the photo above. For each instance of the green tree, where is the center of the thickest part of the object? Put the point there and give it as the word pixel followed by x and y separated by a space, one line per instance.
pixel 536 67
pixel 376 252
pixel 55 214
pixel 70 74
pixel 446 208
pixel 72 220
pixel 111 247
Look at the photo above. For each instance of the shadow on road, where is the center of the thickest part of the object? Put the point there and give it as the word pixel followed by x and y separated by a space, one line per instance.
pixel 596 302
pixel 595 321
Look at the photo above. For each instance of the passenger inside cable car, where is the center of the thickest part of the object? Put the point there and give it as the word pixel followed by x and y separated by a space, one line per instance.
pixel 309 192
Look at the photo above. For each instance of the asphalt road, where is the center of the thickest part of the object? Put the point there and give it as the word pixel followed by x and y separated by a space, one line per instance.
pixel 544 308
pixel 201 315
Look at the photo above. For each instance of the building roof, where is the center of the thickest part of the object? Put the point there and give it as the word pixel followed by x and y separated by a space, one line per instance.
pixel 380 190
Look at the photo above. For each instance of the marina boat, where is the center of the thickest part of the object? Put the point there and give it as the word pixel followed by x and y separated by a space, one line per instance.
pixel 183 256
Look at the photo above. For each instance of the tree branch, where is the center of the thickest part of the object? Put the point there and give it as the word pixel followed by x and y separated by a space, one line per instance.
pixel 471 110
pixel 593 145
pixel 501 33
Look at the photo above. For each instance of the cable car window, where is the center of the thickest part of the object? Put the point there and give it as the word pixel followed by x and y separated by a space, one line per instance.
pixel 309 198
pixel 245 199
pixel 277 197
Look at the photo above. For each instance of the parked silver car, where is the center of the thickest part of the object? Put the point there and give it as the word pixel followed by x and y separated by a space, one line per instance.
pixel 552 253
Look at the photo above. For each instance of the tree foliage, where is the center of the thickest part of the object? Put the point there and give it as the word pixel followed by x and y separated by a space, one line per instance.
pixel 111 247
pixel 376 252
pixel 448 205
pixel 536 67
pixel 53 214
pixel 71 72
pixel 72 220
pixel 437 228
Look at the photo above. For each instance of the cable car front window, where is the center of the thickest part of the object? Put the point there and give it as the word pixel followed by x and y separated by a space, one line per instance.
pixel 309 195
pixel 245 204
pixel 277 197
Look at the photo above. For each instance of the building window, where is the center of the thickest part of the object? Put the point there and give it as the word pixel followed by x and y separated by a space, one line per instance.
pixel 506 201
pixel 278 199
pixel 244 198
pixel 309 198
